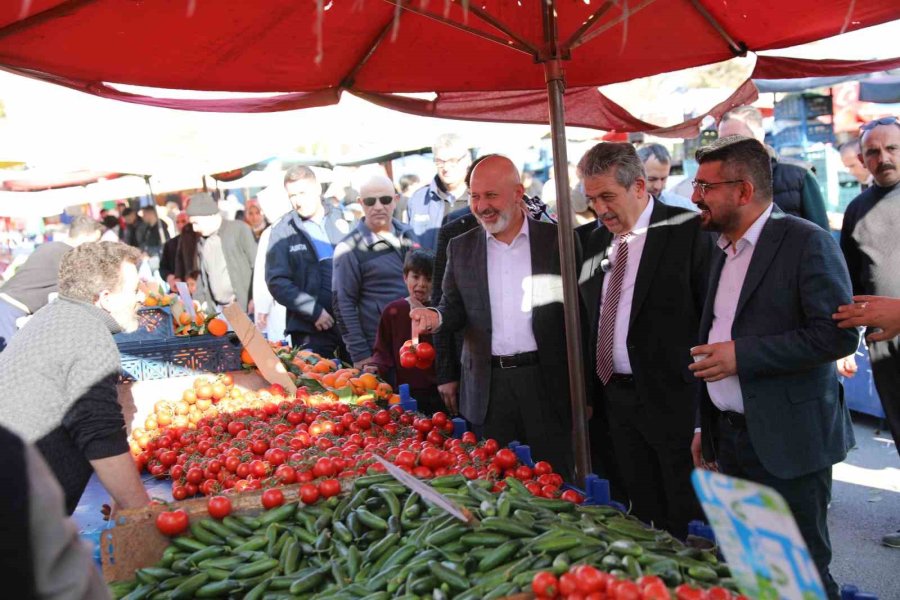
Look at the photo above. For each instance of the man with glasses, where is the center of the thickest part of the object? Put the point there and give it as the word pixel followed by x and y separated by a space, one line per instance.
pixel 771 408
pixel 870 240
pixel 298 264
pixel 446 192
pixel 368 269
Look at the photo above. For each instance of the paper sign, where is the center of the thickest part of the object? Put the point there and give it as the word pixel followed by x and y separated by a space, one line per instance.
pixel 253 340
pixel 759 538
pixel 186 299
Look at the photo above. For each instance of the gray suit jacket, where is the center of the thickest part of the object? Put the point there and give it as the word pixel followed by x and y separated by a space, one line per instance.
pixel 786 343
pixel 466 306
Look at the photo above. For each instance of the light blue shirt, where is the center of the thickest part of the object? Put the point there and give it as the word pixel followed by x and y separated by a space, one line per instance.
pixel 672 199
pixel 726 393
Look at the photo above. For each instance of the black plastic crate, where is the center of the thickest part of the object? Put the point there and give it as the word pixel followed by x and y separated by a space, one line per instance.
pixel 187 355
pixel 154 323
pixel 802 107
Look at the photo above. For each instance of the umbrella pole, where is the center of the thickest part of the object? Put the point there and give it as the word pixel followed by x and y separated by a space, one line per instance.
pixel 568 265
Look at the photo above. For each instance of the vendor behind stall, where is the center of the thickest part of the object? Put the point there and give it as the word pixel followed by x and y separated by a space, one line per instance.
pixel 58 375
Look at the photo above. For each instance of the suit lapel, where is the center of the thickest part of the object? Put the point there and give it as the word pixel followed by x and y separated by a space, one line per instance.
pixel 706 320
pixel 597 250
pixel 480 270
pixel 766 248
pixel 654 245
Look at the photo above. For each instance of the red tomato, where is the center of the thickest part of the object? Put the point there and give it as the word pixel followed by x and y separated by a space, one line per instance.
pixel 545 585
pixel 423 472
pixel 286 474
pixel 688 592
pixel 431 458
pixel 272 497
pixel 194 475
pixel 656 591
pixel 408 360
pixel 275 456
pixel 523 473
pixel 168 458
pixel 172 523
pixel 235 427
pixel 259 447
pixel 589 579
pixel 717 593
pixel 323 467
pixel 470 472
pixel 572 496
pixel 568 585
pixel 505 459
pixel 309 493
pixel 179 493
pixel 242 470
pixel 542 467
pixel 469 438
pixel 491 446
pixel 425 351
pixel 422 363
pixel 329 488
pixel 406 458
pixel 435 437
pixel 627 590
pixel 218 507
pixel 260 468
pixel 382 418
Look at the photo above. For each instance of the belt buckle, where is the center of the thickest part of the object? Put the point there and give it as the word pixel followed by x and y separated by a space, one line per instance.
pixel 504 366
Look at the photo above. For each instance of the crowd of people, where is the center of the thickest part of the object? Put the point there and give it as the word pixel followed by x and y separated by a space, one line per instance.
pixel 714 327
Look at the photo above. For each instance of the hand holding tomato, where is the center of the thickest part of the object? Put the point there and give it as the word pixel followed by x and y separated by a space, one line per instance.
pixel 419 356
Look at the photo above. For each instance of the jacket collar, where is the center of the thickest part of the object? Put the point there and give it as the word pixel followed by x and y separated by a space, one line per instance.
pixel 98 313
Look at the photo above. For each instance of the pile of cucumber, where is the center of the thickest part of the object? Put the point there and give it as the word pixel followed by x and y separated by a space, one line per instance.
pixel 380 541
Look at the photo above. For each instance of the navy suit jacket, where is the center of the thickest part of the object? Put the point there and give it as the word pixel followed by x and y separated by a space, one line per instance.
pixel 786 344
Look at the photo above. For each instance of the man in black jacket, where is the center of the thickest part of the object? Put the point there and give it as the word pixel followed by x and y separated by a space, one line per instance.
pixel 299 264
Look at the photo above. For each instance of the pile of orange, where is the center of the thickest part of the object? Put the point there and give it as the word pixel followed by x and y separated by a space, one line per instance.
pixel 364 386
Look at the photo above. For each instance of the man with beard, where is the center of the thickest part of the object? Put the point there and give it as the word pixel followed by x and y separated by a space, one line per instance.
pixel 58 376
pixel 771 407
pixel 869 239
pixel 503 290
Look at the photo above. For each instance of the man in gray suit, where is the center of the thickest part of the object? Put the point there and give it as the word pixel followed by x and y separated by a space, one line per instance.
pixel 503 290
pixel 771 408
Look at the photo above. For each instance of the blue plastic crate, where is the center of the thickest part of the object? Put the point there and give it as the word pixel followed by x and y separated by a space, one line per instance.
pixel 802 107
pixel 154 323
pixel 805 133
pixel 189 355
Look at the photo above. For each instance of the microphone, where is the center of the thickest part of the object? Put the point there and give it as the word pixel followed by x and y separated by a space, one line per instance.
pixel 606 265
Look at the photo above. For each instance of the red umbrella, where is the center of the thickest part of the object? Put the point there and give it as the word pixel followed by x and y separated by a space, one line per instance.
pixel 314 50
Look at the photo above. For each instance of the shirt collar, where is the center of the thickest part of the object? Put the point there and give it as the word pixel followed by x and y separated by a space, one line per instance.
pixel 523 232
pixel 751 236
pixel 643 222
pixel 371 238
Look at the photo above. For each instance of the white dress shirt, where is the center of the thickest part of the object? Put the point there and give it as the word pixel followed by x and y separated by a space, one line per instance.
pixel 621 362
pixel 726 393
pixel 509 287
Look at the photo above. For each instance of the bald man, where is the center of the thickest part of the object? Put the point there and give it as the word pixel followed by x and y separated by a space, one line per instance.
pixel 503 290
pixel 368 268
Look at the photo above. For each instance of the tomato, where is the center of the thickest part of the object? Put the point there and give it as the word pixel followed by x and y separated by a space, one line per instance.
pixel 218 507
pixel 523 473
pixel 286 474
pixel 179 493
pixel 656 591
pixel 405 458
pixel 260 468
pixel 272 497
pixel 423 472
pixel 627 590
pixel 544 584
pixel 542 467
pixel 588 579
pixel 259 447
pixel 505 459
pixel 567 584
pixel 408 360
pixel 194 475
pixel 688 592
pixel 469 438
pixel 235 427
pixel 470 472
pixel 425 351
pixel 168 458
pixel 435 437
pixel 275 456
pixel 309 493
pixel 717 593
pixel 572 496
pixel 172 523
pixel 242 470
pixel 382 418
pixel 422 363
pixel 329 488
pixel 491 446
pixel 209 487
pixel 534 487
pixel 431 458
pixel 323 467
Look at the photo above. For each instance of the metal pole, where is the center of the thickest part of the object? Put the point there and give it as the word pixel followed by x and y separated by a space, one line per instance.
pixel 568 266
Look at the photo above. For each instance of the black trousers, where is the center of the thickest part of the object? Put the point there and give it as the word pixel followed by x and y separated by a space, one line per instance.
pixel 323 343
pixel 807 496
pixel 522 408
pixel 654 462
pixel 885 358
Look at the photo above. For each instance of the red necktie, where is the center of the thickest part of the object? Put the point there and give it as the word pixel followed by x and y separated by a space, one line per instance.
pixel 608 311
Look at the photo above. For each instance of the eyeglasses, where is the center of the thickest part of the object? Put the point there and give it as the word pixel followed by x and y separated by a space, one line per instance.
pixel 877 122
pixel 371 200
pixel 450 162
pixel 703 187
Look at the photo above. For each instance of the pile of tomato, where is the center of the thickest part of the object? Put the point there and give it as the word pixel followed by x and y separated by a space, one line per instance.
pixel 584 582
pixel 292 442
pixel 416 356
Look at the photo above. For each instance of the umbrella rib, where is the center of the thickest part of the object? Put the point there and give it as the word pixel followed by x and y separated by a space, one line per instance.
pixel 588 37
pixel 592 20
pixel 349 79
pixel 739 49
pixel 515 44
pixel 499 25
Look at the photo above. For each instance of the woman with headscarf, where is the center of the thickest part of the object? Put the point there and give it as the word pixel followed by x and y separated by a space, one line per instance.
pixel 254 217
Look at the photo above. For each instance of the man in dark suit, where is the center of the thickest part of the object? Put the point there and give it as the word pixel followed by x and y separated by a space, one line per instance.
pixel 643 283
pixel 771 408
pixel 503 289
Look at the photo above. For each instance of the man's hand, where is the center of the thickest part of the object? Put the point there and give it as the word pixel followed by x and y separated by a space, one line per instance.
pixel 718 363
pixel 448 392
pixel 121 479
pixel 846 366
pixel 361 364
pixel 871 311
pixel 424 320
pixel 251 307
pixel 324 322
pixel 697 454
pixel 262 320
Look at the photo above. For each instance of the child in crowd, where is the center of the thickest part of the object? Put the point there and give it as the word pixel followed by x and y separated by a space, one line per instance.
pixel 191 281
pixel 395 328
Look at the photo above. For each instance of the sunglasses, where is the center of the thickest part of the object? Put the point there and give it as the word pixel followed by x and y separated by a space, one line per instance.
pixel 877 122
pixel 371 200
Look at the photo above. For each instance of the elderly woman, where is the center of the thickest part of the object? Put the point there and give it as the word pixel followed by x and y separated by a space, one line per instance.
pixel 254 217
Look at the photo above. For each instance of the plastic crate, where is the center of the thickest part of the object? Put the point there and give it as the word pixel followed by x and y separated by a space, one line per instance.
pixel 144 360
pixel 851 592
pixel 805 133
pixel 802 107
pixel 154 323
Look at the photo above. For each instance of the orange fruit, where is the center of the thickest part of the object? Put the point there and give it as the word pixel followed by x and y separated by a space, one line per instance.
pixel 166 300
pixel 368 380
pixel 184 319
pixel 394 399
pixel 151 301
pixel 189 396
pixel 219 390
pixel 323 366
pixel 217 327
pixel 384 390
pixel 329 380
pixel 199 319
pixel 246 358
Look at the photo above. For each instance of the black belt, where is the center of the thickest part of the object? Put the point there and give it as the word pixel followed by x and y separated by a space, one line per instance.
pixel 735 419
pixel 621 378
pixel 513 361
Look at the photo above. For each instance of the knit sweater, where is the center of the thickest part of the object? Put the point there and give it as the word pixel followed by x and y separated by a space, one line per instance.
pixel 58 390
